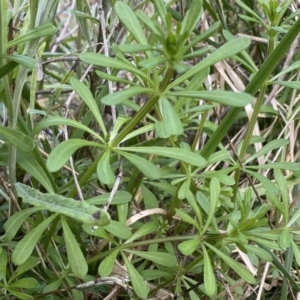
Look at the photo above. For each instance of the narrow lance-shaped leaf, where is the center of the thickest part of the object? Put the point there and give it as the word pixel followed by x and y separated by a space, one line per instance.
pixel 107 265
pixel 13 224
pixel 25 247
pixel 219 96
pixel 176 153
pixel 25 61
pixel 283 188
pixel 188 247
pixel 139 286
pixel 144 230
pixel 78 210
pixel 42 30
pixel 209 276
pixel 171 124
pixel 118 230
pixel 104 170
pixel 129 19
pixel 275 144
pixel 237 267
pixel 121 96
pixel 17 138
pixel 27 283
pixel 164 259
pixel 162 11
pixel 7 68
pixel 109 62
pixel 83 91
pixel 192 17
pixel 52 121
pixel 28 162
pixel 60 154
pixel 145 166
pixel 3 264
pixel 214 190
pixel 229 49
pixel 76 259
pixel 256 82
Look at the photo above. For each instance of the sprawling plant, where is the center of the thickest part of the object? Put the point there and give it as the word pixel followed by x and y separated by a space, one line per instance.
pixel 136 180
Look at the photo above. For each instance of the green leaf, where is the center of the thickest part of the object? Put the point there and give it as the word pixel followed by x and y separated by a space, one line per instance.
pixel 189 247
pixel 28 162
pixel 119 124
pixel 296 251
pixel 223 97
pixel 154 27
pixel 104 170
pixel 26 283
pixel 290 68
pixel 162 11
pixel 209 275
pixel 229 49
pixel 25 246
pixel 120 197
pixel 138 284
pixel 284 239
pixel 52 121
pixel 237 267
pixel 76 259
pixel 144 165
pixel 290 84
pixel 283 188
pixel 30 263
pixel 164 259
pixel 3 264
pixel 251 12
pixel 99 232
pixel 26 61
pixel 176 153
pixel 85 94
pixel 171 122
pixel 144 230
pixel 267 183
pixel 275 144
pixel 78 210
pixel 294 218
pixel 131 48
pixel 129 19
pixel 107 264
pixel 263 254
pixel 18 295
pixel 7 68
pixel 282 269
pixel 42 30
pixel 13 224
pixel 121 96
pixel 109 62
pixel 60 154
pixel 110 77
pixel 294 166
pixel 185 217
pixel 118 229
pixel 214 191
pixel 17 138
pixel 192 17
pixel 275 201
pixel 53 286
pixel 150 63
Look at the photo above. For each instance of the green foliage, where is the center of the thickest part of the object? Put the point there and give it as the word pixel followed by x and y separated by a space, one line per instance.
pixel 137 150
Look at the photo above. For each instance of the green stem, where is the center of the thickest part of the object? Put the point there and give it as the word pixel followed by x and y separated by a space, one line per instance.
pixel 255 84
pixel 143 111
pixel 127 129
